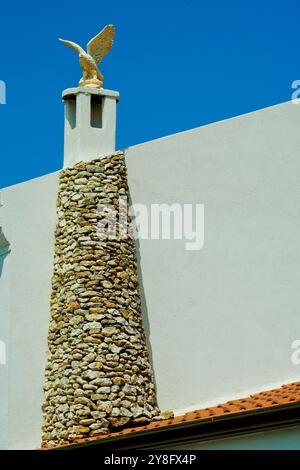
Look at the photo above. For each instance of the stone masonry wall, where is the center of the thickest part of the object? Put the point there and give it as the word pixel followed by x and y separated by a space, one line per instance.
pixel 98 375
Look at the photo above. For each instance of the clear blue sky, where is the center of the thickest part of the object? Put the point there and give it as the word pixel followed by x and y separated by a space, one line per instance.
pixel 178 64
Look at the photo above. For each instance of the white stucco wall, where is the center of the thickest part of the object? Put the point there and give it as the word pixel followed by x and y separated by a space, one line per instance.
pixel 28 219
pixel 4 339
pixel 221 320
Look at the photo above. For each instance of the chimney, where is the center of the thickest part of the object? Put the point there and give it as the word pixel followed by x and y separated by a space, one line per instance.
pixel 98 375
pixel 90 124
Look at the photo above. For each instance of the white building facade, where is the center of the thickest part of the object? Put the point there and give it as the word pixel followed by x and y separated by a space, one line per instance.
pixel 220 320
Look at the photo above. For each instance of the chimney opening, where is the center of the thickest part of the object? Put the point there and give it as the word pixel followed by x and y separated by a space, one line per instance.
pixel 71 110
pixel 96 111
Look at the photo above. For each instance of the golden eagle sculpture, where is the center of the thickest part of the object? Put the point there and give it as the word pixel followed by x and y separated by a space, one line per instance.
pixel 97 48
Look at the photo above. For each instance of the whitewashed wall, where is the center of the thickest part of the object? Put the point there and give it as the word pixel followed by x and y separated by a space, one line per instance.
pixel 221 320
pixel 28 219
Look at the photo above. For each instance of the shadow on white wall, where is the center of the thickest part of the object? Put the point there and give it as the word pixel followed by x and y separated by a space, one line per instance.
pixel 4 249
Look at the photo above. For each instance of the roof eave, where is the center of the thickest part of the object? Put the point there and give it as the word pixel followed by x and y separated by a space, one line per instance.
pixel 199 430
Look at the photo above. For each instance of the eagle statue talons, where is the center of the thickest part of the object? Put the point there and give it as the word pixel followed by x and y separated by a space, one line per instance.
pixel 90 83
pixel 97 48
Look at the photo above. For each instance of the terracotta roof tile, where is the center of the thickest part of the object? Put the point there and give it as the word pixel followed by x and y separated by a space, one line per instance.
pixel 286 394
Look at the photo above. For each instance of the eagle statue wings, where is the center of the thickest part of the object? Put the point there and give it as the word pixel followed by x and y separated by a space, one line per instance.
pixel 97 48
